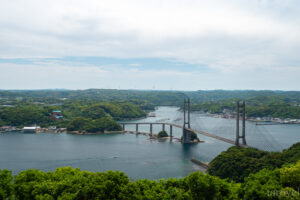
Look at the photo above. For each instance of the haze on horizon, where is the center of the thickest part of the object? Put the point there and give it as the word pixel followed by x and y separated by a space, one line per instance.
pixel 157 44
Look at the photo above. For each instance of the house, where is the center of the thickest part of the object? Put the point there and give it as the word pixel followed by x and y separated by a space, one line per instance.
pixel 32 129
pixel 5 128
pixel 56 115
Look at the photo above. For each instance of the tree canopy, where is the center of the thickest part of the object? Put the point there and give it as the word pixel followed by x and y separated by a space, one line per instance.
pixel 162 134
pixel 85 115
pixel 261 106
pixel 69 183
pixel 237 163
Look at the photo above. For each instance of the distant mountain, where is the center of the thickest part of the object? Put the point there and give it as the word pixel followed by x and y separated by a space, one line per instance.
pixel 156 97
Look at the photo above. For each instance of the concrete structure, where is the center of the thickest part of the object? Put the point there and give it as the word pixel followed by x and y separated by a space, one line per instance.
pixel 181 127
pixel 186 134
pixel 238 136
pixel 32 129
pixel 186 128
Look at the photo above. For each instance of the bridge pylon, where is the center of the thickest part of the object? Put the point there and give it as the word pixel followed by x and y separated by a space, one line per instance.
pixel 238 136
pixel 186 135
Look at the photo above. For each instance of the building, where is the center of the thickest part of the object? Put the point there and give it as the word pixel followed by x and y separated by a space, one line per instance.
pixel 56 115
pixel 32 129
pixel 5 128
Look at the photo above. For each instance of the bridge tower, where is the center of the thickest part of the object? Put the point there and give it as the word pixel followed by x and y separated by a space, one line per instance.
pixel 238 136
pixel 186 135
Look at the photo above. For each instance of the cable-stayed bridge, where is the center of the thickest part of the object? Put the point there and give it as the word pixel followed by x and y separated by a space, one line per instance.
pixel 233 131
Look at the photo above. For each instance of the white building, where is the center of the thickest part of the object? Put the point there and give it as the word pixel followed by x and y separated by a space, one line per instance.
pixel 33 129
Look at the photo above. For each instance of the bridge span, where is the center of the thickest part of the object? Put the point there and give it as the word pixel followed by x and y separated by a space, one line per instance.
pixel 186 128
pixel 171 125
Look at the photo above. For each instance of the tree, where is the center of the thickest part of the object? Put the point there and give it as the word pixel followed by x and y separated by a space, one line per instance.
pixel 290 176
pixel 262 185
pixel 6 185
pixel 78 124
pixel 162 134
pixel 194 136
pixel 94 112
pixel 237 163
pixel 69 183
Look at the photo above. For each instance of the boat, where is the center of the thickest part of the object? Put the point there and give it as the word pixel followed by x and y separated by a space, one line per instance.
pixel 151 115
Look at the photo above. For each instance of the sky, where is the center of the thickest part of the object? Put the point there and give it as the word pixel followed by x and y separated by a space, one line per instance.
pixel 150 44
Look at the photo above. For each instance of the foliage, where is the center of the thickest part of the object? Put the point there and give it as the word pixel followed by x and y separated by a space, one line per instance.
pixel 26 115
pixel 94 110
pixel 262 184
pixel 88 115
pixel 1 122
pixel 166 98
pixel 237 163
pixel 292 154
pixel 161 98
pixel 194 136
pixel 69 183
pixel 261 106
pixel 209 187
pixel 6 186
pixel 273 184
pixel 162 134
pixel 93 126
pixel 290 176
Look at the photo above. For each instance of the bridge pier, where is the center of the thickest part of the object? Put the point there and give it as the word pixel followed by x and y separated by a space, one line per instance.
pixel 244 124
pixel 136 127
pixel 186 132
pixel 151 129
pixel 237 128
pixel 186 135
pixel 243 136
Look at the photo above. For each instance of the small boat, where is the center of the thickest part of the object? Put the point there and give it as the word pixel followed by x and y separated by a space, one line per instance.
pixel 151 115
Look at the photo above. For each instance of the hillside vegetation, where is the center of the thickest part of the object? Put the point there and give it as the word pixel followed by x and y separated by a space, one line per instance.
pixel 69 183
pixel 90 116
pixel 161 98
pixel 237 163
pixel 262 106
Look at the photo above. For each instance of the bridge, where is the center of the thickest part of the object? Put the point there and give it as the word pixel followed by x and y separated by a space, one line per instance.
pixel 186 127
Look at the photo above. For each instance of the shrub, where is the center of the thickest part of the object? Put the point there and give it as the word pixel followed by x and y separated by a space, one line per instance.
pixel 194 136
pixel 6 186
pixel 162 134
pixel 237 163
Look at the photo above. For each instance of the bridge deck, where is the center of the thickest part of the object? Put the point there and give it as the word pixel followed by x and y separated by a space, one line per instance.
pixel 190 129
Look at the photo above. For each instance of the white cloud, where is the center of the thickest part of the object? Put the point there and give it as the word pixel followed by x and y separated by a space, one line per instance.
pixel 15 76
pixel 230 36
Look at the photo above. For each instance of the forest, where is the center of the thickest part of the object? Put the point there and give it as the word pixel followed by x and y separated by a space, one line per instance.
pixel 262 106
pixel 78 115
pixel 156 97
pixel 238 163
pixel 264 103
pixel 258 176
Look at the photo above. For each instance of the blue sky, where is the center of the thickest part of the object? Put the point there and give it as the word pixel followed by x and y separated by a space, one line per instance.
pixel 106 62
pixel 143 44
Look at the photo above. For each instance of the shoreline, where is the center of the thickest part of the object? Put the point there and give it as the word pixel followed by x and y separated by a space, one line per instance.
pixel 282 121
pixel 89 133
pixel 204 165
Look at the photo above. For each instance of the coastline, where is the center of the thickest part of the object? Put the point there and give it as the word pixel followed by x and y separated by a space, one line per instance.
pixel 90 133
pixel 272 121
